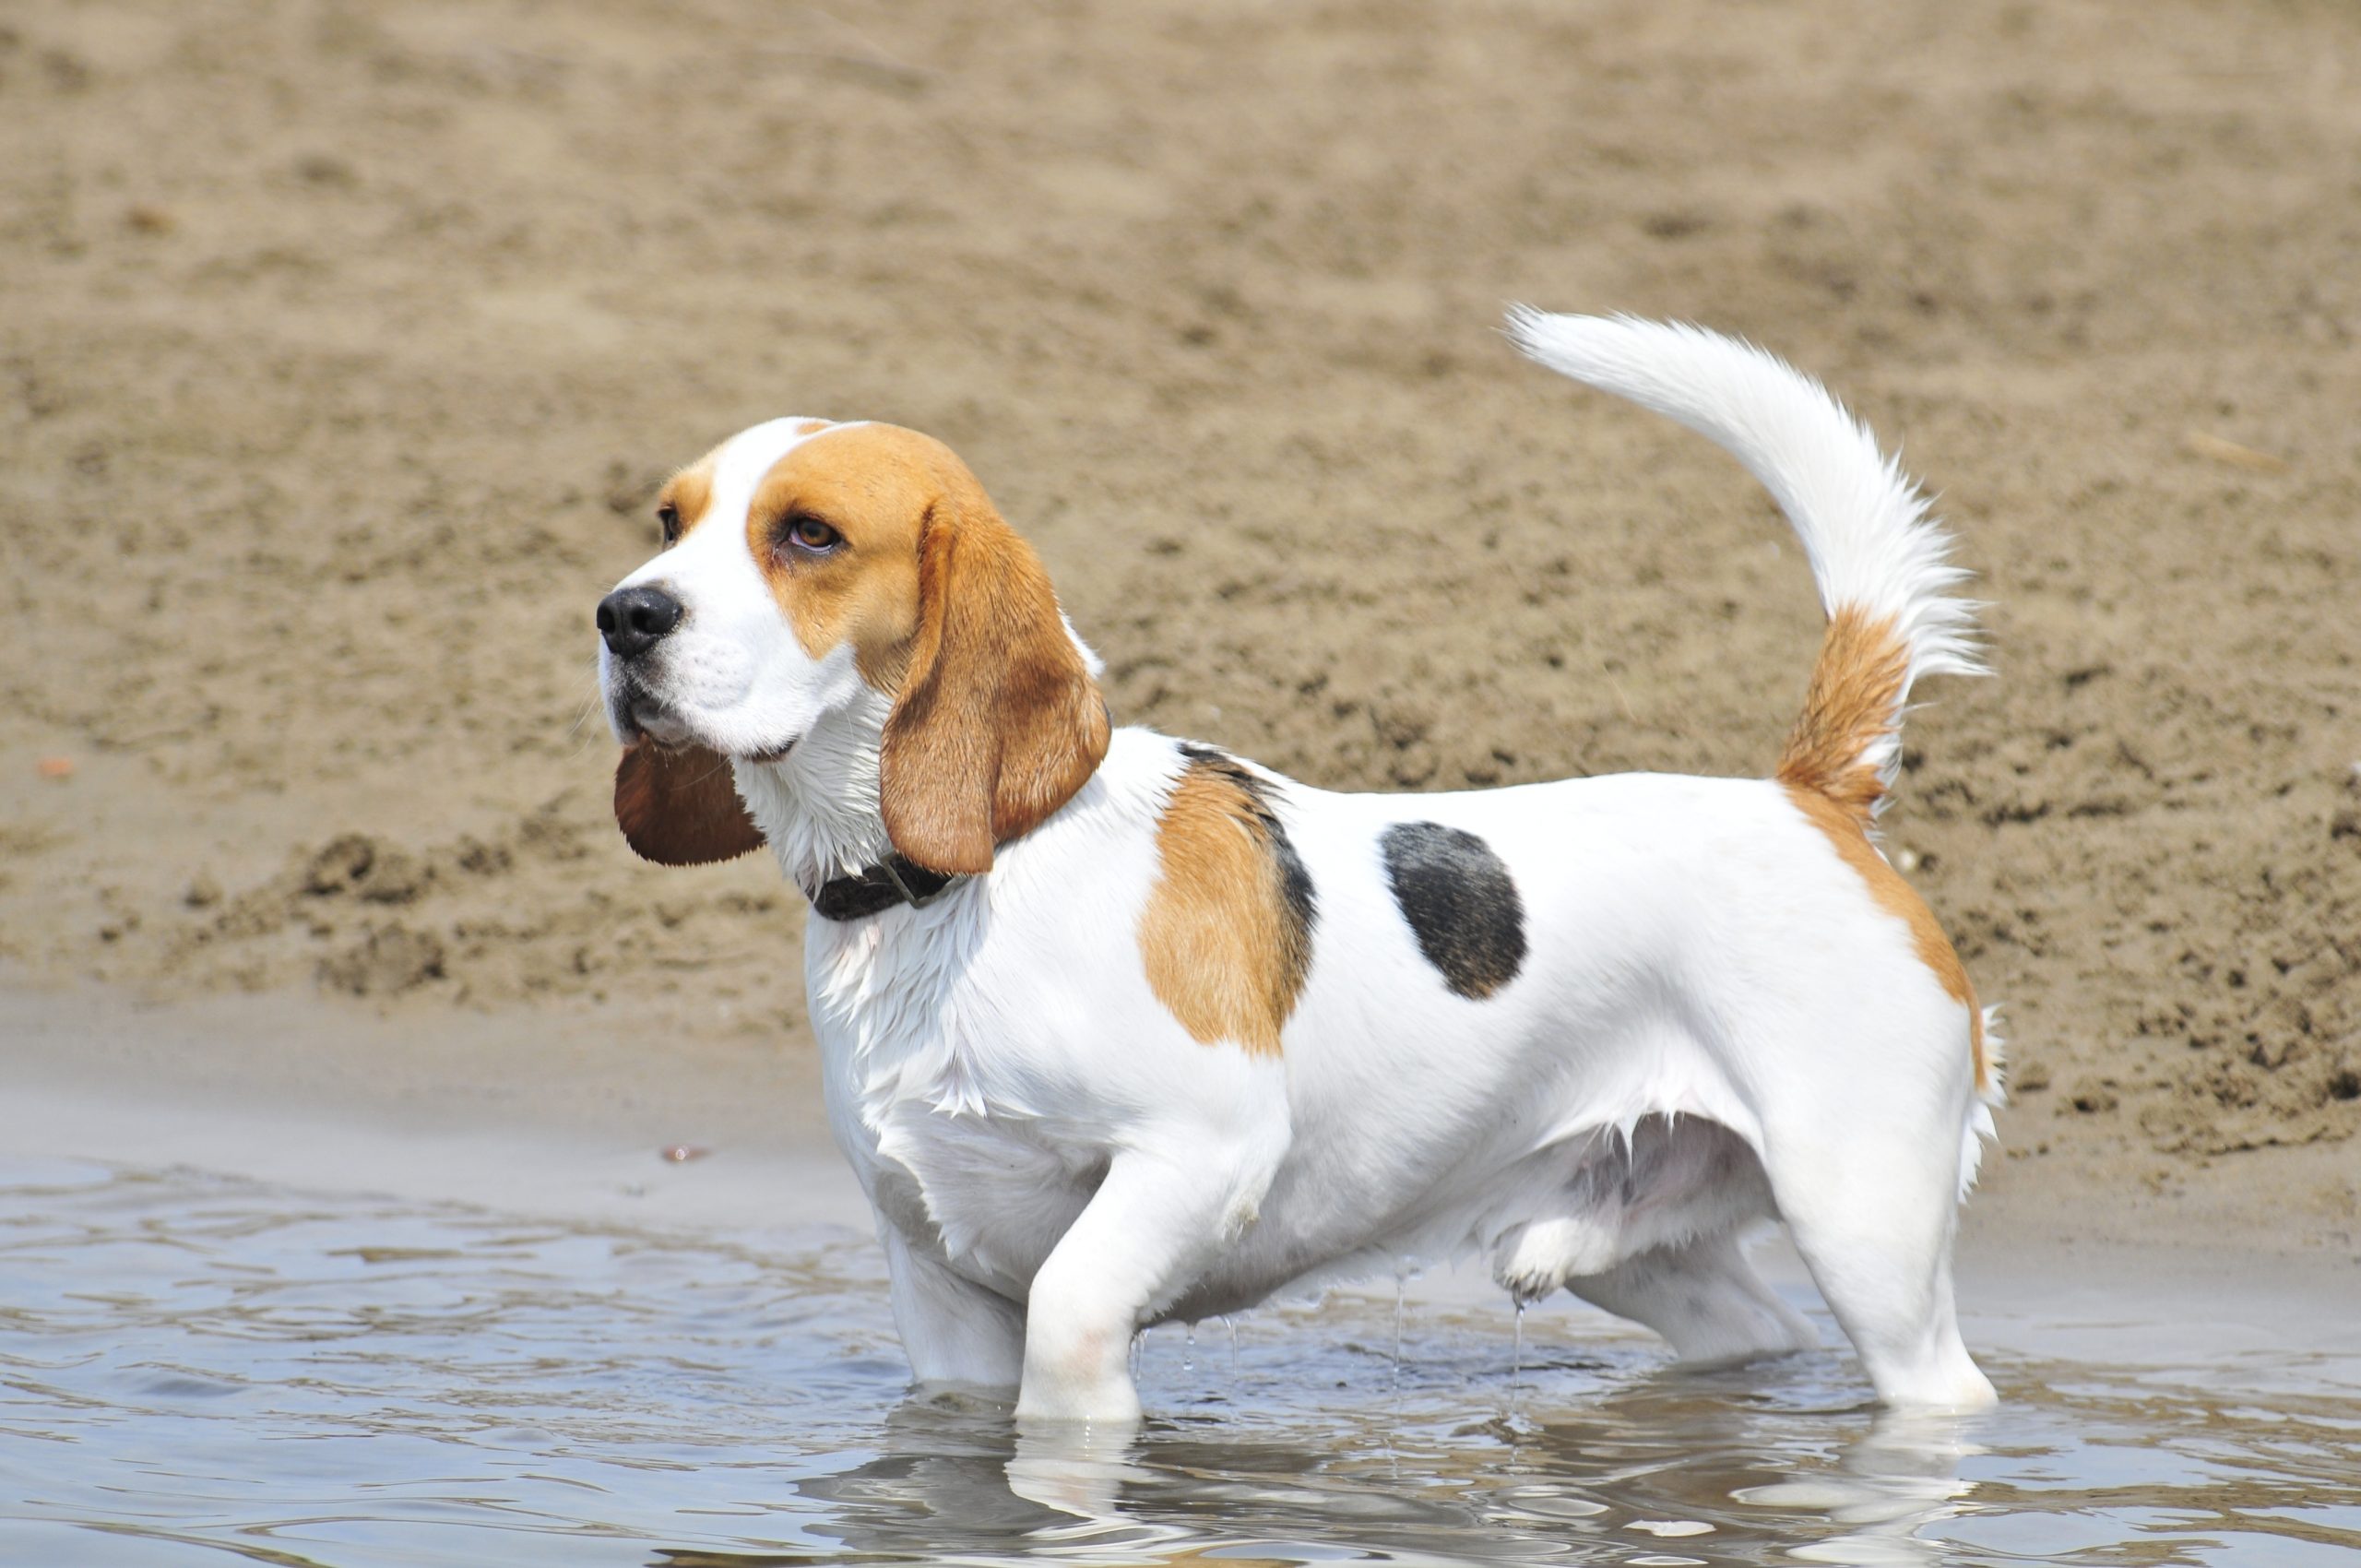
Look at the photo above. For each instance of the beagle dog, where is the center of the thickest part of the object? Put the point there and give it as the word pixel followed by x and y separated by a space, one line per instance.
pixel 1118 1030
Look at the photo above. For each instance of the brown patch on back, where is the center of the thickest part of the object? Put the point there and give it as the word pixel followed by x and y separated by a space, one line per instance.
pixel 1844 829
pixel 1227 934
pixel 1856 685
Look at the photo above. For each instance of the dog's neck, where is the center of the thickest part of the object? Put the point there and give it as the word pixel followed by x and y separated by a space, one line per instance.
pixel 817 805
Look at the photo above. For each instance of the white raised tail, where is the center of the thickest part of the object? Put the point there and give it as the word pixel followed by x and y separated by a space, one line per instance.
pixel 1882 566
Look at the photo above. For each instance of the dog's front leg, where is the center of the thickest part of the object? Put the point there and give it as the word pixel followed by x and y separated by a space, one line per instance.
pixel 1162 1214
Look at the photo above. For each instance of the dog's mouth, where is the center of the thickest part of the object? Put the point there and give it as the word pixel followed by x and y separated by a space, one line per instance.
pixel 642 718
pixel 638 715
pixel 659 724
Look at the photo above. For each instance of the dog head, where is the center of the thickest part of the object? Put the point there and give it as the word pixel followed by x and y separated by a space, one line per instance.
pixel 810 567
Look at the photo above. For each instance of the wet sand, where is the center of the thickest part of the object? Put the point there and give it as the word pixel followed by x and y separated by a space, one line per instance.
pixel 552 1119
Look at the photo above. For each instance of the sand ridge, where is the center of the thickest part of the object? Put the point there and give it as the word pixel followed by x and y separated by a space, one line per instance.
pixel 345 348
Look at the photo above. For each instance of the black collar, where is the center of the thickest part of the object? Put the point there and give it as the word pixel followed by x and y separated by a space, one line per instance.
pixel 891 881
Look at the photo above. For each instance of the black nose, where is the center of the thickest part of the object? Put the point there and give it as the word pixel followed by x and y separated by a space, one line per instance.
pixel 634 620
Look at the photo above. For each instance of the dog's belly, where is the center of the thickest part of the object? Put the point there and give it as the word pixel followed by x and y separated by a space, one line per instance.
pixel 1570 1209
pixel 992 1200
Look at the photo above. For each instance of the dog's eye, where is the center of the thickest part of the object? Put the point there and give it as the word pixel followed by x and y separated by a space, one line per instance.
pixel 669 516
pixel 812 534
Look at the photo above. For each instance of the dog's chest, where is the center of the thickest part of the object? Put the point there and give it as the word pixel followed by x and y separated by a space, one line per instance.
pixel 885 994
pixel 929 1097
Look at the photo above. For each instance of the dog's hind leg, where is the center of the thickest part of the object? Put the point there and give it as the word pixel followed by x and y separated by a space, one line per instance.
pixel 1704 1299
pixel 1873 1213
pixel 1647 1228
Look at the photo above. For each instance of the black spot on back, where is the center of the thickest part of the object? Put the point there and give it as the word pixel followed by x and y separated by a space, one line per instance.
pixel 1461 903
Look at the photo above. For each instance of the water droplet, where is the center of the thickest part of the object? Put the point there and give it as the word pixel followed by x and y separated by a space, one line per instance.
pixel 1226 1323
pixel 1401 1305
pixel 1188 1352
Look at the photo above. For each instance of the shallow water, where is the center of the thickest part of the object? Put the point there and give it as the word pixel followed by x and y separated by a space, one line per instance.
pixel 195 1370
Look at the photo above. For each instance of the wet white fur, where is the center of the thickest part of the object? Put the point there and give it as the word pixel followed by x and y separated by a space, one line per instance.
pixel 1714 1024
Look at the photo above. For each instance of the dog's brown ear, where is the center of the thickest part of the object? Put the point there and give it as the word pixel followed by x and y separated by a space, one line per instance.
pixel 998 722
pixel 679 806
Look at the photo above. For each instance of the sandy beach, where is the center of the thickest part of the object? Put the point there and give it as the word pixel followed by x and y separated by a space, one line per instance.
pixel 344 348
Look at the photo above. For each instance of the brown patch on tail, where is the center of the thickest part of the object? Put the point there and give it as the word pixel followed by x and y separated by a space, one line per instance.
pixel 1227 934
pixel 1847 831
pixel 1854 702
pixel 1856 686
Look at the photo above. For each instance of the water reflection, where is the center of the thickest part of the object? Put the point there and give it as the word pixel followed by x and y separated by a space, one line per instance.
pixel 1562 1490
pixel 191 1367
